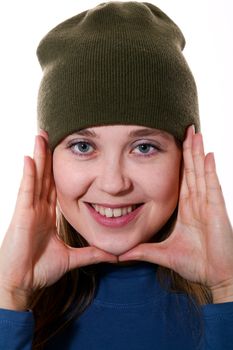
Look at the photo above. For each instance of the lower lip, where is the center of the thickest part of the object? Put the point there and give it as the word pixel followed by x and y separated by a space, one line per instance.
pixel 114 222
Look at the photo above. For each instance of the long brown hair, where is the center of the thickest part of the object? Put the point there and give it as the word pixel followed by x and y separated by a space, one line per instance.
pixel 56 306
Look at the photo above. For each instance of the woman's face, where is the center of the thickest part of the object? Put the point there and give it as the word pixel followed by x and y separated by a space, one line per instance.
pixel 117 166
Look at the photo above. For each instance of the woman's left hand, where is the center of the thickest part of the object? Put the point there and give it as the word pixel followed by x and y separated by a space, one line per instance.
pixel 200 247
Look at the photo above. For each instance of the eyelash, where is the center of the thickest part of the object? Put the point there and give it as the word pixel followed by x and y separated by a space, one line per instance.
pixel 73 144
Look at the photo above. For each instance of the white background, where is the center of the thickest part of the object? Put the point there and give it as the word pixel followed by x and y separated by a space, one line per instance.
pixel 208 28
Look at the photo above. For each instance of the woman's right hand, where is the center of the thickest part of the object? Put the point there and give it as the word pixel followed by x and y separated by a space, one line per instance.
pixel 32 255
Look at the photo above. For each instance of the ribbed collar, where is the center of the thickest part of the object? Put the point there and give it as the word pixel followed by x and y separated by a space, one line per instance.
pixel 129 284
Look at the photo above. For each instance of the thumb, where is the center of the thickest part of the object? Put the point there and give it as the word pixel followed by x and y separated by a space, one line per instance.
pixel 87 256
pixel 156 253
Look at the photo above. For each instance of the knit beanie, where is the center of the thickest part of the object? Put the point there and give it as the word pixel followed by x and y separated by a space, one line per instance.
pixel 116 63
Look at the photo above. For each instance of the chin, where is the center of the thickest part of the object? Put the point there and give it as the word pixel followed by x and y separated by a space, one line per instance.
pixel 115 250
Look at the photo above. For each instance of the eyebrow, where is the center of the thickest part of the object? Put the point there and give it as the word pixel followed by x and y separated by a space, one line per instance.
pixel 132 134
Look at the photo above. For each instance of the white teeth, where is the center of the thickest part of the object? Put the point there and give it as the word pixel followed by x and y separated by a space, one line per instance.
pixel 101 210
pixel 117 212
pixel 108 212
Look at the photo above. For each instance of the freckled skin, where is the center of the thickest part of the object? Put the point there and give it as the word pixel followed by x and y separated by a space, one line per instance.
pixel 116 171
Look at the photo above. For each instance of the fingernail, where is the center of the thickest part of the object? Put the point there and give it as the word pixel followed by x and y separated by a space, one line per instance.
pixel 125 257
pixel 36 141
pixel 213 157
pixel 193 127
pixel 44 134
pixel 113 259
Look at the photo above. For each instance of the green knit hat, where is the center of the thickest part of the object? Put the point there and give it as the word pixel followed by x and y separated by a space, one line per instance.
pixel 117 63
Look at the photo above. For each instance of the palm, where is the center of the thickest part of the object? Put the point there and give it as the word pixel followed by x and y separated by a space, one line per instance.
pixel 201 244
pixel 48 256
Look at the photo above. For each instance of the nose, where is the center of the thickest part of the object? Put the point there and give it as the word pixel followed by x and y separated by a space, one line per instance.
pixel 113 179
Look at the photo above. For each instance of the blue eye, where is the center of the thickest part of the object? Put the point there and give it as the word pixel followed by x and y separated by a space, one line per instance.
pixel 144 147
pixel 147 149
pixel 84 148
pixel 81 147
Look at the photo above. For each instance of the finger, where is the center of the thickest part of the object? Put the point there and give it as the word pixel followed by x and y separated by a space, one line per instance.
pixel 52 195
pixel 156 253
pixel 40 160
pixel 213 187
pixel 188 161
pixel 48 166
pixel 26 190
pixel 88 255
pixel 47 174
pixel 199 161
pixel 44 134
pixel 184 192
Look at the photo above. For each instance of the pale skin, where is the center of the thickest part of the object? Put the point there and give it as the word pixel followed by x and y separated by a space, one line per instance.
pixel 117 164
pixel 199 248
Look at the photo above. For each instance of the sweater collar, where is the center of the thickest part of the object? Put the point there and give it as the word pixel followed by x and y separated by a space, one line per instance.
pixel 127 284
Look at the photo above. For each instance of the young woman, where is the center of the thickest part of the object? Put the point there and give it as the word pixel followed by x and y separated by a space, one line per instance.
pixel 120 237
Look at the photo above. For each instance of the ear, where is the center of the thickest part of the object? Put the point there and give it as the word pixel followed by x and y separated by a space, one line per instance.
pixel 44 134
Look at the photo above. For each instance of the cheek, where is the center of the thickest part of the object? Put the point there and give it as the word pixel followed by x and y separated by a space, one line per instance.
pixel 71 181
pixel 164 182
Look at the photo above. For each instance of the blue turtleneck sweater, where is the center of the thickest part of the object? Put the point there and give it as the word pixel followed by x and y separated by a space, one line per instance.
pixel 131 311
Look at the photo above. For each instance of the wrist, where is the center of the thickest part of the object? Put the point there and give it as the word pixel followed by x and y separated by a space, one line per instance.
pixel 222 293
pixel 13 299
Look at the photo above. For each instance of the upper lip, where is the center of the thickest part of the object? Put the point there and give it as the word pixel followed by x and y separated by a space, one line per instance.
pixel 121 205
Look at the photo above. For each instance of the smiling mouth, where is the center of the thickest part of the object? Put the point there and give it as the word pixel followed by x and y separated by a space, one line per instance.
pixel 114 212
